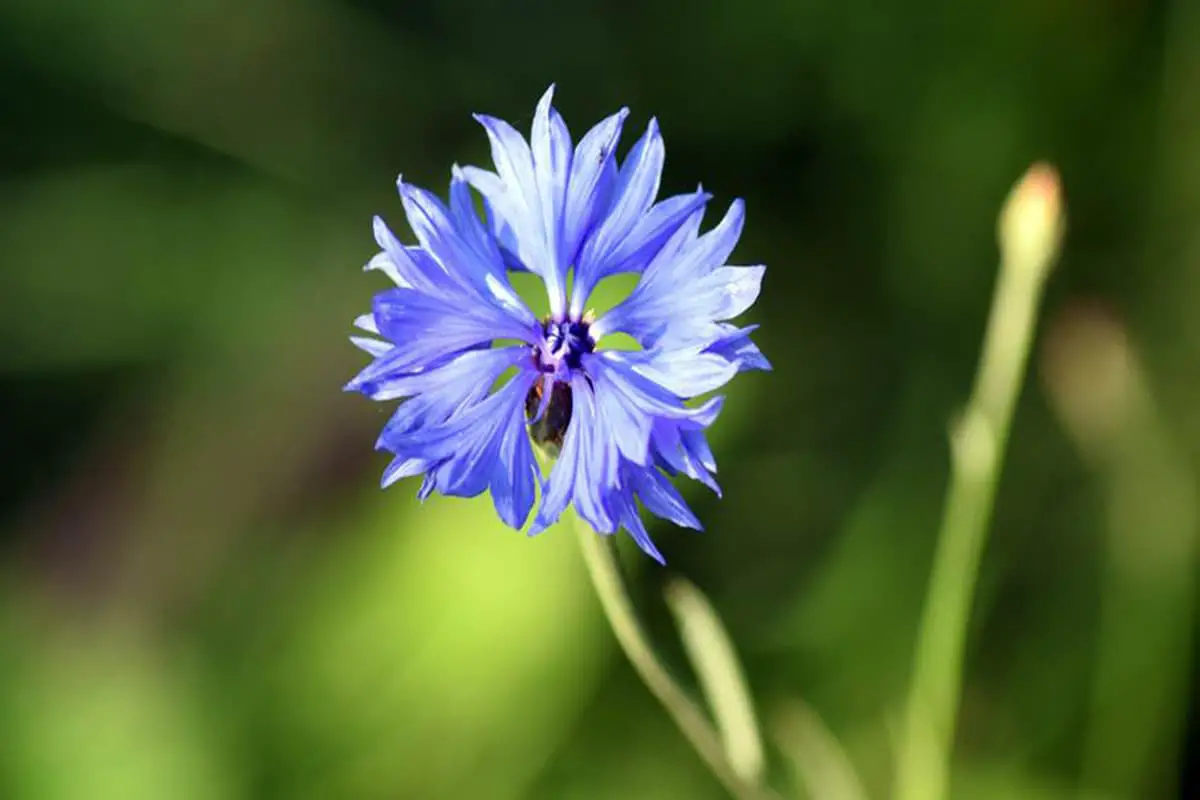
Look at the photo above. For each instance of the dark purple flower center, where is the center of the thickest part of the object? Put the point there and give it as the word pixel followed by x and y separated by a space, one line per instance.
pixel 564 344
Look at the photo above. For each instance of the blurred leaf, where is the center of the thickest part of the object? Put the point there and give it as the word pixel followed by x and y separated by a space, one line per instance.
pixel 715 660
pixel 816 756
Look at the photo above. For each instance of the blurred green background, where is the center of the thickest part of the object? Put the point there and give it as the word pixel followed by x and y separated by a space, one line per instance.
pixel 203 593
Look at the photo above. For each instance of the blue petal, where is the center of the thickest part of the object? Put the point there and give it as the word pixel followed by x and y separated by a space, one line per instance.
pixel 598 463
pixel 428 485
pixel 638 392
pixel 685 373
pixel 713 249
pixel 425 410
pixel 459 384
pixel 402 467
pixel 404 314
pixel 681 240
pixel 669 447
pixel 397 263
pixel 653 230
pixel 639 421
pixel 426 329
pixel 374 347
pixel 593 174
pixel 477 270
pixel 696 444
pixel 514 165
pixel 382 261
pixel 468 447
pixel 729 291
pixel 505 236
pixel 630 520
pixel 637 185
pixel 509 220
pixel 471 368
pixel 733 343
pixel 625 424
pixel 586 470
pixel 695 256
pixel 467 223
pixel 621 420
pixel 514 471
pixel 552 164
pixel 366 322
pixel 525 192
pixel 722 294
pixel 685 284
pixel 661 498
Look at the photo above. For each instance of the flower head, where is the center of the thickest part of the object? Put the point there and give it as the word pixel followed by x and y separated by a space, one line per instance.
pixel 479 375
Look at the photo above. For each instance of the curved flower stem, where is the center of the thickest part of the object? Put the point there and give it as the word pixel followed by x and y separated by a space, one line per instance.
pixel 605 572
pixel 1030 230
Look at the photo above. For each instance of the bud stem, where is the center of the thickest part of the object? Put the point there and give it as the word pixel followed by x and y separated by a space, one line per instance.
pixel 1030 231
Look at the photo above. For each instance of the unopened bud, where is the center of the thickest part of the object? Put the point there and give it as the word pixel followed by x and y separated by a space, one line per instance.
pixel 1032 221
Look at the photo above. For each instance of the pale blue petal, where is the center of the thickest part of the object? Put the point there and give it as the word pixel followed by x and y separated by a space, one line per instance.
pixel 586 469
pixel 676 458
pixel 722 294
pixel 637 185
pixel 653 231
pixel 696 444
pixel 734 344
pixel 662 499
pixel 622 422
pixel 470 227
pixel 466 446
pixel 561 485
pixel 514 470
pixel 627 514
pixel 508 220
pixel 472 367
pixel 552 164
pixel 398 265
pixel 426 329
pixel 692 257
pixel 684 372
pixel 402 467
pixel 597 464
pixel 514 165
pixel 639 393
pixel 593 174
pixel 374 347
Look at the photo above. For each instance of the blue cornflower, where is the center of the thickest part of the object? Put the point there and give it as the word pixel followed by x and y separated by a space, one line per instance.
pixel 480 375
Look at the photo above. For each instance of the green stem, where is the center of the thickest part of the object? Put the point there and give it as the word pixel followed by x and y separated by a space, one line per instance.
pixel 977 449
pixel 605 572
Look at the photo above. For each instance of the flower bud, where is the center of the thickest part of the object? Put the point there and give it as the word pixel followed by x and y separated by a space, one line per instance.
pixel 1032 222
